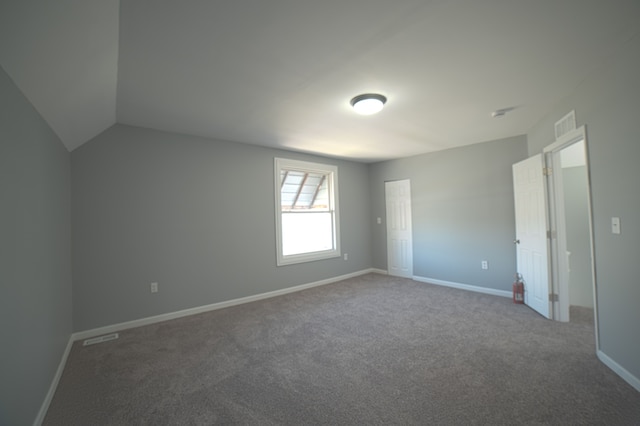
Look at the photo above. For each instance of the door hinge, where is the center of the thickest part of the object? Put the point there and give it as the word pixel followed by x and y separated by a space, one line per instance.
pixel 547 171
pixel 553 297
pixel 552 234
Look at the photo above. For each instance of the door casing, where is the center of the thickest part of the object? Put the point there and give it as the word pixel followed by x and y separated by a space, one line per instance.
pixel 557 233
pixel 399 228
pixel 558 242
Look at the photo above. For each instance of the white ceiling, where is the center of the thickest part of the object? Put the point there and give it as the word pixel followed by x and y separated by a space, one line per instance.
pixel 280 73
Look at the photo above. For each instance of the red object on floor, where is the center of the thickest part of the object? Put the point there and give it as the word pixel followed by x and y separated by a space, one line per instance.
pixel 518 290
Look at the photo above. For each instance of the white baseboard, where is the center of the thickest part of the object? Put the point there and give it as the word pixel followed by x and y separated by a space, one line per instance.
pixel 619 370
pixel 492 291
pixel 54 384
pixel 81 335
pixel 173 315
pixel 206 308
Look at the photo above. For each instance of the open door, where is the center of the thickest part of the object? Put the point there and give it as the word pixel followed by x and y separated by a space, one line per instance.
pixel 531 233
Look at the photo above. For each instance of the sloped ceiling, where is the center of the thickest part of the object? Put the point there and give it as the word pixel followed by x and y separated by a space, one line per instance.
pixel 63 55
pixel 280 73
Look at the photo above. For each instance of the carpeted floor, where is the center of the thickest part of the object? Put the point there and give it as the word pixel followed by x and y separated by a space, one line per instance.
pixel 372 350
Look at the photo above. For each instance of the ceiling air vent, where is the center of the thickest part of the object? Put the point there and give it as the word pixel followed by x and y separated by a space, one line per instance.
pixel 566 124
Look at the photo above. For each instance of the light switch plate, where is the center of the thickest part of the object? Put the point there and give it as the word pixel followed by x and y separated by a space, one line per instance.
pixel 615 225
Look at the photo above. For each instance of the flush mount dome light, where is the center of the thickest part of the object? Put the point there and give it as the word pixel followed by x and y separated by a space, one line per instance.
pixel 499 113
pixel 368 104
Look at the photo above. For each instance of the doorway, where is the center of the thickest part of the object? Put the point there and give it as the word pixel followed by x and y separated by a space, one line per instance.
pixel 399 231
pixel 570 218
pixel 562 208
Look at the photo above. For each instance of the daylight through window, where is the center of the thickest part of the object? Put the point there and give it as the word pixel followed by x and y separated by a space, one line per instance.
pixel 306 211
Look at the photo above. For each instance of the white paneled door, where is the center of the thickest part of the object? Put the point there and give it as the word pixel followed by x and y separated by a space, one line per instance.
pixel 399 239
pixel 531 232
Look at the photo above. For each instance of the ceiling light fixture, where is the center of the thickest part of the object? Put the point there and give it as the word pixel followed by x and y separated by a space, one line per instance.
pixel 499 113
pixel 368 104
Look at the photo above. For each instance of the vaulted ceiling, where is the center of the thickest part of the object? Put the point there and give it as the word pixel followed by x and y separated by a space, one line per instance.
pixel 281 73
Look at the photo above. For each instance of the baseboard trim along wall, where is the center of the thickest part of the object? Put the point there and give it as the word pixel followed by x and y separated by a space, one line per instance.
pixel 206 308
pixel 54 384
pixel 173 315
pixel 627 376
pixel 492 291
pixel 619 370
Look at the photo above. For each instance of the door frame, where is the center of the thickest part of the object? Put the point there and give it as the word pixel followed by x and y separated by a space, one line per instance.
pixel 558 242
pixel 409 221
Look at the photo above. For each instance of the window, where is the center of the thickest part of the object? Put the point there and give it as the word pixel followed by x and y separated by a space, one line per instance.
pixel 306 211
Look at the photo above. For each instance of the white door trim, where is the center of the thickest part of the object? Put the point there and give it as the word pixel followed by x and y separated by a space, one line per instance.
pixel 399 228
pixel 559 265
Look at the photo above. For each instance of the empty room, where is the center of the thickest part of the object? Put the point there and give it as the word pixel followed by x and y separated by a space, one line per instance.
pixel 331 212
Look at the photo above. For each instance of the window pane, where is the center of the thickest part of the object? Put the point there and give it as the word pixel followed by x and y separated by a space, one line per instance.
pixel 301 190
pixel 307 219
pixel 306 232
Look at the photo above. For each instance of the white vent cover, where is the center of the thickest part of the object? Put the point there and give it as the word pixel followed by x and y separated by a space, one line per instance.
pixel 100 339
pixel 566 124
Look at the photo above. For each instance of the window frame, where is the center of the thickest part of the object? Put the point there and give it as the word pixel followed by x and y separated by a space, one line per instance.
pixel 332 187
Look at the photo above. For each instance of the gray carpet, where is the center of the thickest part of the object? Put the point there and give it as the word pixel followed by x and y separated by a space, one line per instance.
pixel 369 350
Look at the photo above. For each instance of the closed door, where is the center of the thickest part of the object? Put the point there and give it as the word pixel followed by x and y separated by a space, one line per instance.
pixel 399 238
pixel 531 232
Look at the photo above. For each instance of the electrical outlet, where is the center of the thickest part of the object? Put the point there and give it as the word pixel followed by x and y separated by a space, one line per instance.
pixel 485 264
pixel 346 256
pixel 154 287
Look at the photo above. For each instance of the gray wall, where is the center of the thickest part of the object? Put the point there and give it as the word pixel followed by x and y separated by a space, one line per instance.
pixel 462 212
pixel 35 263
pixel 607 102
pixel 576 207
pixel 196 216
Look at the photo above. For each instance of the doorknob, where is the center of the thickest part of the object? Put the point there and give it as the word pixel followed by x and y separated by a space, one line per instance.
pixel 516 241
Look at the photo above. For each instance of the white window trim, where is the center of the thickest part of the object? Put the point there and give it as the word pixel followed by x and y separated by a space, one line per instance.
pixel 284 163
